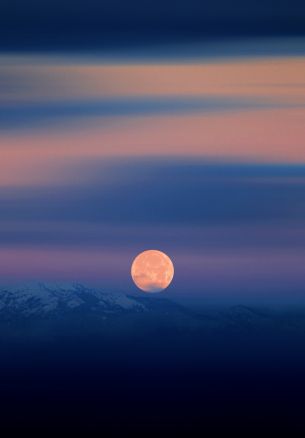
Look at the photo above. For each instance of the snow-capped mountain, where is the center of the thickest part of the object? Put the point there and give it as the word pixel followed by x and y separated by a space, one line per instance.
pixel 53 309
pixel 38 308
pixel 58 309
pixel 47 299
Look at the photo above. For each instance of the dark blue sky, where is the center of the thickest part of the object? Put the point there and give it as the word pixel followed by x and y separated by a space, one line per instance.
pixel 81 24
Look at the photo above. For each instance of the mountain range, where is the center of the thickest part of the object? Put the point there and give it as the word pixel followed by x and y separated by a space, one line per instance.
pixel 54 309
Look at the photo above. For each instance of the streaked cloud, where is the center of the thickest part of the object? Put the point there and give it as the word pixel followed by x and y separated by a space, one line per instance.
pixel 205 159
pixel 46 115
pixel 265 135
pixel 165 192
pixel 41 79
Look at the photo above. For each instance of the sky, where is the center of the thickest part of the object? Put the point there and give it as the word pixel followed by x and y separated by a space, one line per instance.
pixel 159 128
pixel 95 24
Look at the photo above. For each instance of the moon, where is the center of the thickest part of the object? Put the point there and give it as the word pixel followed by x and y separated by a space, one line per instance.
pixel 152 271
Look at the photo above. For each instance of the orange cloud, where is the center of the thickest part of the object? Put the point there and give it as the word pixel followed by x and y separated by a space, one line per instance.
pixel 262 135
pixel 276 78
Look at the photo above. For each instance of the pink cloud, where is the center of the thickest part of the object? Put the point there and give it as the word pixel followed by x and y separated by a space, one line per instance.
pixel 263 135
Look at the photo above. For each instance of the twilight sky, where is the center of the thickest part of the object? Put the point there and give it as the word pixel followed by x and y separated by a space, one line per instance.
pixel 96 24
pixel 191 143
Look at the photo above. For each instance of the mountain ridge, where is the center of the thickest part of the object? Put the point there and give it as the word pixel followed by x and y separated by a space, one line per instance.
pixel 74 308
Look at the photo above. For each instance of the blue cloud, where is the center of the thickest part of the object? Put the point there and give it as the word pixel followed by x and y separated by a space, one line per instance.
pixel 167 192
pixel 37 115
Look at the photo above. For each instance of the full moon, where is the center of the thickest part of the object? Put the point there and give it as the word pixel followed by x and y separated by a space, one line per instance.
pixel 152 271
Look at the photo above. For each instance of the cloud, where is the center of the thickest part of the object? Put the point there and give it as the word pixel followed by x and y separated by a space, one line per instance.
pixel 229 227
pixel 42 91
pixel 37 115
pixel 172 192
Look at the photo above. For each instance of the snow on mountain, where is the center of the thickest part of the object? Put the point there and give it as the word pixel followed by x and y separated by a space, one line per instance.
pixel 62 306
pixel 45 299
pixel 43 310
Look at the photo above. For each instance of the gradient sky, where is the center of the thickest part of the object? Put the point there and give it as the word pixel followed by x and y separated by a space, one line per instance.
pixel 192 147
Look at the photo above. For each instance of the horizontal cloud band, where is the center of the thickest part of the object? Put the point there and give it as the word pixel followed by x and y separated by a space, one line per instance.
pixel 168 191
pixel 33 115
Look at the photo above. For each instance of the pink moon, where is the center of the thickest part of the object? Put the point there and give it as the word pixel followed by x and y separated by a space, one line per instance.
pixel 152 271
